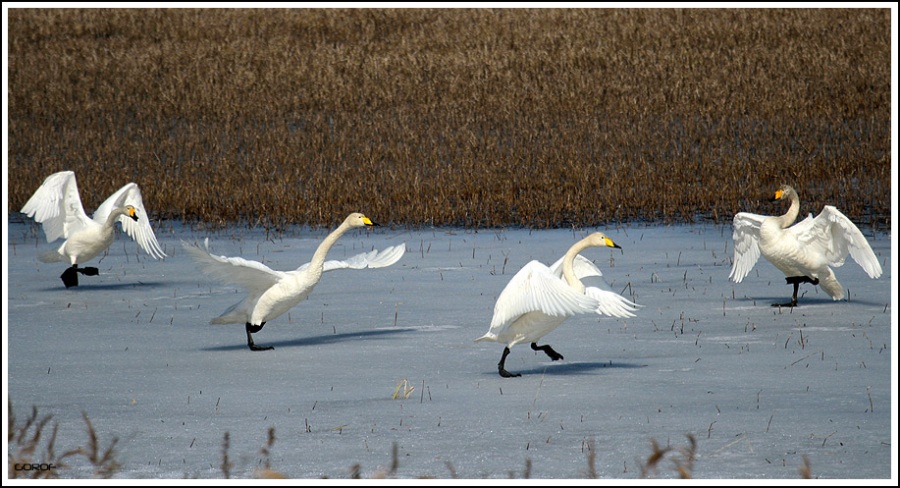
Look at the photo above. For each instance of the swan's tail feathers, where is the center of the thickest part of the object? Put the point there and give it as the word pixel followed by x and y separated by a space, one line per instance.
pixel 227 319
pixel 50 257
pixel 490 336
pixel 830 284
pixel 236 314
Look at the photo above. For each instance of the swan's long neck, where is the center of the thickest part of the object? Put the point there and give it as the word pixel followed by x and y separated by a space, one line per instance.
pixel 787 219
pixel 317 265
pixel 113 217
pixel 569 259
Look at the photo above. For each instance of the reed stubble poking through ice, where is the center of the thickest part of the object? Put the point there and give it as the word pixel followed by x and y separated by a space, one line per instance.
pixel 478 118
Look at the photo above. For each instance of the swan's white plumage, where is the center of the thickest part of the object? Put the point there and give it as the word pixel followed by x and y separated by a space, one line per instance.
pixel 533 303
pixel 139 230
pixel 539 298
pixel 271 293
pixel 746 244
pixel 371 259
pixel 835 236
pixel 252 275
pixel 608 302
pixel 808 248
pixel 57 206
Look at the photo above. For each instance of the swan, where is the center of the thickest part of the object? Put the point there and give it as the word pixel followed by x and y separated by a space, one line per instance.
pixel 57 206
pixel 271 293
pixel 803 252
pixel 539 298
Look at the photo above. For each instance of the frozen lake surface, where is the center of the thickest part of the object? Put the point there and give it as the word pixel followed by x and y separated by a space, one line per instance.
pixel 763 391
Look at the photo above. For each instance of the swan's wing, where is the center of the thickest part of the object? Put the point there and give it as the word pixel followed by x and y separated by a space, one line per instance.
pixel 371 259
pixel 585 270
pixel 139 230
pixel 835 236
pixel 57 205
pixel 536 289
pixel 252 275
pixel 746 244
pixel 582 266
pixel 611 303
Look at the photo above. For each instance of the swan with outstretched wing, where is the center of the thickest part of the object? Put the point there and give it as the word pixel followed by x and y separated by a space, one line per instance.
pixel 57 206
pixel 804 252
pixel 271 293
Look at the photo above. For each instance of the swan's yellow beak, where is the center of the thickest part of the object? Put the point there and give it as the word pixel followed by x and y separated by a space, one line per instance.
pixel 367 221
pixel 132 213
pixel 609 243
pixel 778 195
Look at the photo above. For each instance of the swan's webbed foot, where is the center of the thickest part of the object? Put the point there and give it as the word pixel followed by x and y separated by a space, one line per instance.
pixel 501 365
pixel 506 374
pixel 89 271
pixel 554 356
pixel 70 276
pixel 252 329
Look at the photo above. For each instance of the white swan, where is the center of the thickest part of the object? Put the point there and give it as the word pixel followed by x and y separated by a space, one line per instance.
pixel 271 293
pixel 802 252
pixel 538 299
pixel 57 205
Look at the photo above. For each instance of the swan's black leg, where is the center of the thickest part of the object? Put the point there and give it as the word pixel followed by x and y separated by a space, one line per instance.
pixel 70 276
pixel 503 372
pixel 793 302
pixel 554 356
pixel 252 329
pixel 796 280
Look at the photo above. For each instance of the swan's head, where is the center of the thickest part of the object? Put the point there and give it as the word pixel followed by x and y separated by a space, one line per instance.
pixel 785 192
pixel 131 212
pixel 357 219
pixel 599 239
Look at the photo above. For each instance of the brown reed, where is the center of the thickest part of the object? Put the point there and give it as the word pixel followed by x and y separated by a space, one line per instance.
pixel 32 452
pixel 478 118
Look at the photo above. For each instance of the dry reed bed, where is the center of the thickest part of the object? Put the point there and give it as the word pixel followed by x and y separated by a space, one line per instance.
pixel 480 118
